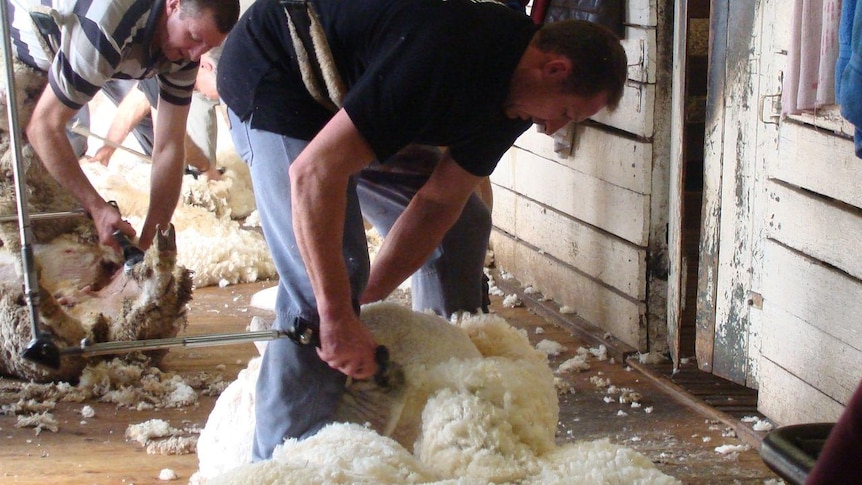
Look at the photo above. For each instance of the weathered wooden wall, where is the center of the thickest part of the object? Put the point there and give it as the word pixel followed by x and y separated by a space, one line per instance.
pixel 583 224
pixel 781 279
pixel 812 277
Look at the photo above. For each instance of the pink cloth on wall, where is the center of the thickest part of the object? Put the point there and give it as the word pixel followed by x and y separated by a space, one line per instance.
pixel 809 78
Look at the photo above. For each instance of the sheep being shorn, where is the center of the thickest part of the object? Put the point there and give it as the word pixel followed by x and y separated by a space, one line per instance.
pixel 479 406
pixel 83 292
pixel 86 294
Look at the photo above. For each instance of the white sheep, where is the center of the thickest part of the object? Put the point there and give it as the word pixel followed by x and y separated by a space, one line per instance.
pixel 479 407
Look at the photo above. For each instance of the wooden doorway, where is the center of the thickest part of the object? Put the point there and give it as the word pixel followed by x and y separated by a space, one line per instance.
pixel 691 53
pixel 694 128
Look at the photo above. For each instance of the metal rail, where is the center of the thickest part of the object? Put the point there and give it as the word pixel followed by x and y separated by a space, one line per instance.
pixel 77 127
pixel 47 215
pixel 118 347
pixel 41 348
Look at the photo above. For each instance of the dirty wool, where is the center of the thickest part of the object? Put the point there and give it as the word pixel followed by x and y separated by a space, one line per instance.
pixel 129 383
pixel 479 405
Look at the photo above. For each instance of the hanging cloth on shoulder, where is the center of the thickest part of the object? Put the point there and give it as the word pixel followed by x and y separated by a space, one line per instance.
pixel 317 66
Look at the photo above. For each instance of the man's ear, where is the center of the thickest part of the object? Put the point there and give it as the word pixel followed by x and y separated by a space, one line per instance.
pixel 172 5
pixel 557 69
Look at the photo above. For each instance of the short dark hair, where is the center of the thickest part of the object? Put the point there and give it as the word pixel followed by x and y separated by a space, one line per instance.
pixel 598 59
pixel 225 12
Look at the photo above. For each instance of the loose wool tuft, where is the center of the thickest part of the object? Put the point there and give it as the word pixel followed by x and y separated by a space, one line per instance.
pixel 523 393
pixel 480 407
pixel 465 435
pixel 598 462
pixel 493 336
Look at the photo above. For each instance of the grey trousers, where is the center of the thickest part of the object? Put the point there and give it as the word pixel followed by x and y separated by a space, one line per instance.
pixel 297 393
pixel 116 90
pixel 202 125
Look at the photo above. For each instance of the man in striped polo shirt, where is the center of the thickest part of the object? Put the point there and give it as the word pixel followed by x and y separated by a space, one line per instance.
pixel 85 44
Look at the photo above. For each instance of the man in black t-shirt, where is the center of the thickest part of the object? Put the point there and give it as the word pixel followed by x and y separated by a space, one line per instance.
pixel 409 76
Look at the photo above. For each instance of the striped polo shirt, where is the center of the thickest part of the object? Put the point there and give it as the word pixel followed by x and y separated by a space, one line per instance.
pixel 97 40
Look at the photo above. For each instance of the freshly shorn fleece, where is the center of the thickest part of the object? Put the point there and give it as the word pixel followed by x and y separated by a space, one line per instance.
pixel 479 407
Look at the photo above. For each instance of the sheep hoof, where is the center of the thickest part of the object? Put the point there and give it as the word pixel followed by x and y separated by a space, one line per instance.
pixel 166 240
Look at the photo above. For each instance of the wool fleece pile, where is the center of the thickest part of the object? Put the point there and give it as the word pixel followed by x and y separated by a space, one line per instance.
pixel 479 407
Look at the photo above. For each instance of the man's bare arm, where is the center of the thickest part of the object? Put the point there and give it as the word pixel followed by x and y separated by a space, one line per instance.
pixel 166 175
pixel 46 132
pixel 319 179
pixel 134 108
pixel 420 228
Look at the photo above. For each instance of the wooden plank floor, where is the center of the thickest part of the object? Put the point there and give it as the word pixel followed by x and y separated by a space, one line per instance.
pixel 677 435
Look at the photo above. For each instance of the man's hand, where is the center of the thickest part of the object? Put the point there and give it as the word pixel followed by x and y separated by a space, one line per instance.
pixel 348 347
pixel 103 155
pixel 107 219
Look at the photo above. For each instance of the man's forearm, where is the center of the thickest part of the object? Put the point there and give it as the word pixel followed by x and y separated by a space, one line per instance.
pixel 166 177
pixel 165 186
pixel 319 178
pixel 54 150
pixel 410 242
pixel 421 227
pixel 134 108
pixel 318 222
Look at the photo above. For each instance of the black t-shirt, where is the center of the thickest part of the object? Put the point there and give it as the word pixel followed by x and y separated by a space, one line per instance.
pixel 434 72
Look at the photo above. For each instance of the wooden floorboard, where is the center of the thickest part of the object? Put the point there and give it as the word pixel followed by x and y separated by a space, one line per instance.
pixel 678 436
pixel 693 412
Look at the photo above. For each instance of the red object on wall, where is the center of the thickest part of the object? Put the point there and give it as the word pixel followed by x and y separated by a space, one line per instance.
pixel 540 8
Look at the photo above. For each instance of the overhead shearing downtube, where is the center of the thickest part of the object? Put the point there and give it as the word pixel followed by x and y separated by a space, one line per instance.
pixel 41 348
